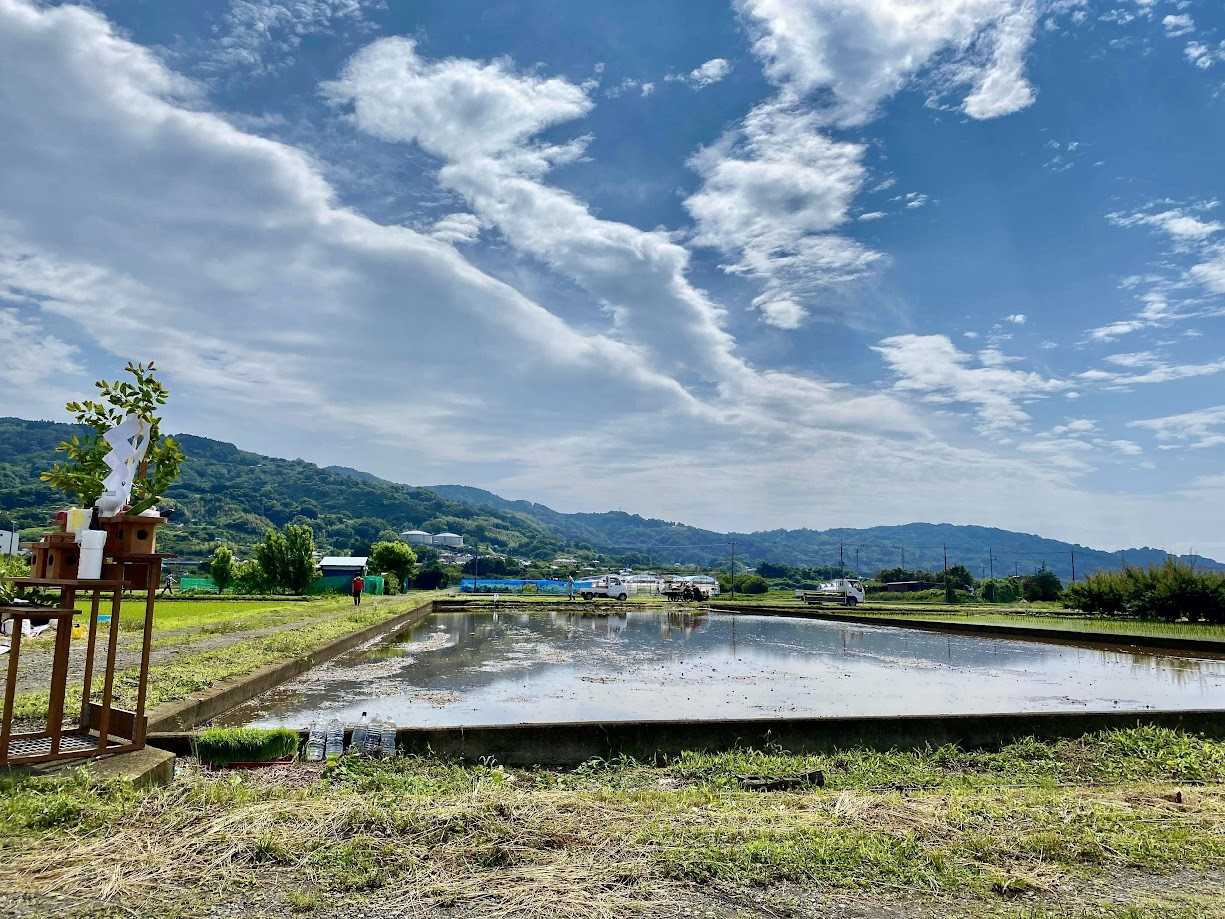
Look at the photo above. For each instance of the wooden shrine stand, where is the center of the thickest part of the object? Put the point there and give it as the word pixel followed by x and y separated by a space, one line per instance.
pixel 102 728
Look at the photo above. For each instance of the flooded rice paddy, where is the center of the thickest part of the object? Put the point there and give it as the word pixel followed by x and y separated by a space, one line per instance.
pixel 467 668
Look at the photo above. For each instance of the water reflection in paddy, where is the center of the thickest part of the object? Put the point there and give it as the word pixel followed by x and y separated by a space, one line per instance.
pixel 492 668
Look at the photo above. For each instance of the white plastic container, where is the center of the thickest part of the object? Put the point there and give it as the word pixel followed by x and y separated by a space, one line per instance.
pixel 92 543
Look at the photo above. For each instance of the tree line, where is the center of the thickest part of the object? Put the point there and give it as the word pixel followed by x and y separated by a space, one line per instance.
pixel 284 562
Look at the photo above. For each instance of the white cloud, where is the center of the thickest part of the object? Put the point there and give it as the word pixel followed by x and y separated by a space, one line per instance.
pixel 638 277
pixel 933 367
pixel 261 36
pixel 1204 56
pixel 855 55
pixel 1166 295
pixel 1199 429
pixel 1157 371
pixel 707 74
pixel 1116 330
pixel 35 357
pixel 1016 318
pixel 1001 87
pixel 1133 359
pixel 1178 24
pixel 864 51
pixel 770 196
pixel 1176 223
pixel 457 228
pixel 1211 272
pixel 871 215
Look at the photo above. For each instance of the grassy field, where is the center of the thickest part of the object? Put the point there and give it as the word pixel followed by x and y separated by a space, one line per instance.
pixel 1119 824
pixel 197 643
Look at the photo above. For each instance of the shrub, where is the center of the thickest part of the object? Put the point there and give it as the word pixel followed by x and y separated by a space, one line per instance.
pixel 221 746
pixel 431 578
pixel 1000 590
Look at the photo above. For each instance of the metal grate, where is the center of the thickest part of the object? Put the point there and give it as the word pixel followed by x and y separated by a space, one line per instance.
pixel 41 746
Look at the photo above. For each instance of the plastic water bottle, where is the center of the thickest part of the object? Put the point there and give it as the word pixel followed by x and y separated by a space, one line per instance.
pixel 374 738
pixel 335 739
pixel 357 743
pixel 389 738
pixel 315 743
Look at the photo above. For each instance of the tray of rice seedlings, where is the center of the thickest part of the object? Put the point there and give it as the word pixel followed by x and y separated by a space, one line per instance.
pixel 246 748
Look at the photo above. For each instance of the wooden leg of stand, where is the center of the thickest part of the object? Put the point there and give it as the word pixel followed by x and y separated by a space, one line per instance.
pixel 91 643
pixel 10 686
pixel 152 580
pixel 59 671
pixel 108 684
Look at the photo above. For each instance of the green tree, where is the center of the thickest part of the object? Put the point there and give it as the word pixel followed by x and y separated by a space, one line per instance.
pixel 272 556
pixel 394 556
pixel 301 569
pixel 221 567
pixel 249 578
pixel 287 558
pixel 1044 585
pixel 959 576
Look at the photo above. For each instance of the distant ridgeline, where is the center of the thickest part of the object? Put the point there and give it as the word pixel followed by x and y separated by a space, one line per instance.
pixel 983 550
pixel 227 494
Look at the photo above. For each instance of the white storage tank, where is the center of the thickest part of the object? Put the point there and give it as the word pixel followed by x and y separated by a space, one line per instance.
pixel 417 537
pixel 453 540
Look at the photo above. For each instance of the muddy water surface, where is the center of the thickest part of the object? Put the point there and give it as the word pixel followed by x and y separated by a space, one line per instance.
pixel 458 668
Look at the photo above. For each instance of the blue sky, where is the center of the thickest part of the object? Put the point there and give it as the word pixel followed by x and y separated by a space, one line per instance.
pixel 745 264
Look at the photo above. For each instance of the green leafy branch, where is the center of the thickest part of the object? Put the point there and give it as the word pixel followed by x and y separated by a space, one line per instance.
pixel 82 474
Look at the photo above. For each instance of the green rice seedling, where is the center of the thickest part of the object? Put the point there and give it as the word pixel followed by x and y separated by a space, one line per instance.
pixel 222 746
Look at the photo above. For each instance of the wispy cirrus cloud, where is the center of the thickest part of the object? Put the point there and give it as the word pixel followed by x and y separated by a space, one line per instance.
pixel 1198 429
pixel 1186 281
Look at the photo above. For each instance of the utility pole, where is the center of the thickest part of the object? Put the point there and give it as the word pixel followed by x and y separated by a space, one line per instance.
pixel 857 561
pixel 733 569
pixel 946 559
pixel 841 568
pixel 991 561
pixel 1072 552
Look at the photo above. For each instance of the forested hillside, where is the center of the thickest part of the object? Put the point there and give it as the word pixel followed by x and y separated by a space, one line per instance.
pixel 227 494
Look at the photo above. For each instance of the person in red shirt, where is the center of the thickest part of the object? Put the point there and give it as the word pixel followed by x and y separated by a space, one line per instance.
pixel 359 584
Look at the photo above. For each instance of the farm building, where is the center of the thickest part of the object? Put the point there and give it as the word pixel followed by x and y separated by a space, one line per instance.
pixel 338 566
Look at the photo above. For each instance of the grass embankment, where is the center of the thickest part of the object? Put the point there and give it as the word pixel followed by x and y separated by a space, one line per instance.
pixel 1124 823
pixel 197 644
pixel 1034 616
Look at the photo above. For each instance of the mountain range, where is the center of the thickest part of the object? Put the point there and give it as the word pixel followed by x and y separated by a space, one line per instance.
pixel 232 495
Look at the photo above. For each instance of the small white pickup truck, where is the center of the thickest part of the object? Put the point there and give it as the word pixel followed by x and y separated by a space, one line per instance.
pixel 844 591
pixel 611 585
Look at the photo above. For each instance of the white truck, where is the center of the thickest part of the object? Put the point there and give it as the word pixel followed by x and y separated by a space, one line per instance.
pixel 843 591
pixel 610 585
